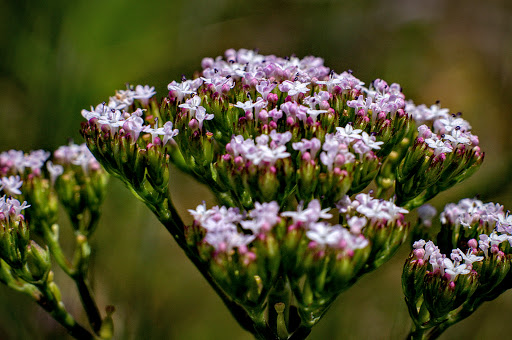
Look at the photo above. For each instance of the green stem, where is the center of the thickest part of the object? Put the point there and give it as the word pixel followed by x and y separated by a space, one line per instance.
pixel 467 309
pixel 301 333
pixel 88 302
pixel 415 335
pixel 79 275
pixel 56 309
pixel 7 278
pixel 51 238
pixel 261 329
pixel 77 272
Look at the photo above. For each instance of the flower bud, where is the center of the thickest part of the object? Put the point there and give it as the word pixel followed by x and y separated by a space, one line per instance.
pixel 38 262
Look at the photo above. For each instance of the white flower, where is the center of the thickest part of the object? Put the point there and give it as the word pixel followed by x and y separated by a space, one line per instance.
pixel 280 138
pixel 357 224
pixel 228 240
pixel 294 88
pixel 324 234
pixel 201 213
pixel 469 258
pixel 143 93
pixel 201 116
pixel 419 244
pixel 330 84
pixel 304 145
pixel 348 134
pixel 181 89
pixel 370 141
pixel 452 270
pixel 265 87
pixel 11 185
pixel 192 104
pixel 504 223
pixel 55 171
pixel 310 215
pixel 122 99
pixel 264 215
pixel 167 131
pixel 361 103
pixel 314 113
pixel 438 145
pixel 11 207
pixel 247 106
pixel 437 112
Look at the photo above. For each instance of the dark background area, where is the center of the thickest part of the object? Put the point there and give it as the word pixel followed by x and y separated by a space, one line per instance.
pixel 58 57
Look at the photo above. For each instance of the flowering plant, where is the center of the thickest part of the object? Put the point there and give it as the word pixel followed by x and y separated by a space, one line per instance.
pixel 313 173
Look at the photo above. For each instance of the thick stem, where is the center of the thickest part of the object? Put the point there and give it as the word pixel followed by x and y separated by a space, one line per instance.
pixel 261 329
pixel 416 333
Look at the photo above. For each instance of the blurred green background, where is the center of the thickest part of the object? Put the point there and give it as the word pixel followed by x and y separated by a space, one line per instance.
pixel 58 57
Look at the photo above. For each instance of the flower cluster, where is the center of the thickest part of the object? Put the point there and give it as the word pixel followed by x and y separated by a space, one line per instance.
pixel 452 266
pixel 280 141
pixel 10 209
pixel 17 162
pixel 76 155
pixel 72 176
pixel 452 287
pixel 24 258
pixel 223 234
pixel 267 149
pixel 375 210
pixel 471 212
pixel 443 141
pixel 323 234
pixel 114 116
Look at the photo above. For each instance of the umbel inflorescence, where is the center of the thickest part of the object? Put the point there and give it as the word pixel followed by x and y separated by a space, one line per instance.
pixel 286 145
pixel 314 174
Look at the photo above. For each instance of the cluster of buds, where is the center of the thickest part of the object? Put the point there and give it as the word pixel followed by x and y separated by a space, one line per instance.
pixel 317 130
pixel 267 133
pixel 25 258
pixel 80 183
pixel 443 153
pixel 441 289
pixel 74 178
pixel 249 253
pixel 19 169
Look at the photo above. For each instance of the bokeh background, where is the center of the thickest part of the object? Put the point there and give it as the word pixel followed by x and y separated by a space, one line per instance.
pixel 58 57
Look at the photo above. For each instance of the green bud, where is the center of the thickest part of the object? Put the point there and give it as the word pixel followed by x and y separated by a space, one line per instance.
pixel 363 173
pixel 107 325
pixel 412 282
pixel 38 262
pixel 442 296
pixel 268 185
pixel 43 200
pixel 14 240
pixel 385 241
pixel 54 289
pixel 158 169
